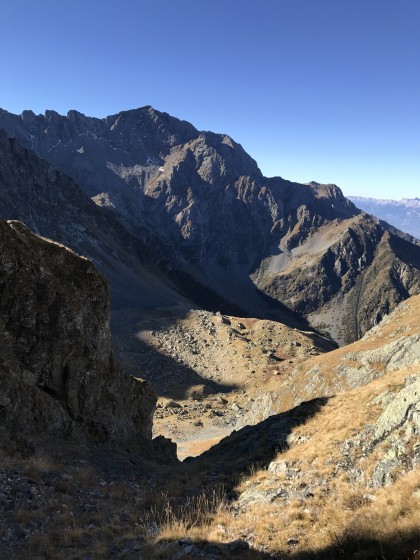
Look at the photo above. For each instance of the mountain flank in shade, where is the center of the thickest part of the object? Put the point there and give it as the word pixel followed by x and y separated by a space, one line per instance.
pixel 268 246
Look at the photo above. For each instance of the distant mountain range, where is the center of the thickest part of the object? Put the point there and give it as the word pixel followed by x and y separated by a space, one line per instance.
pixel 192 210
pixel 403 214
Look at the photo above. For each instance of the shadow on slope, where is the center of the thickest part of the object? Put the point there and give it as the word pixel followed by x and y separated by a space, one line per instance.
pixel 403 546
pixel 407 252
pixel 200 486
pixel 398 546
pixel 234 285
pixel 187 549
pixel 254 446
pixel 170 377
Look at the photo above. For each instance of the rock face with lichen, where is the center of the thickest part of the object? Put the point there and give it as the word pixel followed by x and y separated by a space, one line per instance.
pixel 393 439
pixel 57 372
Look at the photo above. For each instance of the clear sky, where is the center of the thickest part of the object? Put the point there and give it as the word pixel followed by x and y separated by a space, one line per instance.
pixel 325 90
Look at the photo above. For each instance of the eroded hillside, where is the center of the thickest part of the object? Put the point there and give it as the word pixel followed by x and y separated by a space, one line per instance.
pixel 214 373
pixel 296 449
pixel 337 475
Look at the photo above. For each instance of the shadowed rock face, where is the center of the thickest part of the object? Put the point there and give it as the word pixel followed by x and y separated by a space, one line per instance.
pixel 220 220
pixel 52 205
pixel 130 256
pixel 57 373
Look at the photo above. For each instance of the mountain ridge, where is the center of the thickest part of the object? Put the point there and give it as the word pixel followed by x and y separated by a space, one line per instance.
pixel 251 239
pixel 403 214
pixel 336 475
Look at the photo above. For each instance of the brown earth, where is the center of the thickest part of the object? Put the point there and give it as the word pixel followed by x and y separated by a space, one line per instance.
pixel 239 371
pixel 213 373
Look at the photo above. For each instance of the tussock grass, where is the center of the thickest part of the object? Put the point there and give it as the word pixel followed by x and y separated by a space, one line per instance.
pixel 190 518
pixel 342 517
pixel 91 514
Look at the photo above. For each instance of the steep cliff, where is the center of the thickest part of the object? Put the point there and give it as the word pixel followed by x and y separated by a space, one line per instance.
pixel 57 373
pixel 52 205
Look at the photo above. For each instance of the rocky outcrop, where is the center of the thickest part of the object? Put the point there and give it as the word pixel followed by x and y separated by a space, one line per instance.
pixel 386 449
pixel 52 205
pixel 57 373
pixel 352 465
pixel 404 407
pixel 270 246
pixel 345 268
pixel 393 440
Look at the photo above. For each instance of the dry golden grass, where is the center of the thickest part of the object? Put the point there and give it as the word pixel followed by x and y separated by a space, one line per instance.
pixel 36 465
pixel 403 322
pixel 341 515
pixel 177 518
pixel 85 476
pixel 41 546
pixel 342 519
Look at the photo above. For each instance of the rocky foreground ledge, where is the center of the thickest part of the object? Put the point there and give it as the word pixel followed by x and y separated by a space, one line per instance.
pixel 57 372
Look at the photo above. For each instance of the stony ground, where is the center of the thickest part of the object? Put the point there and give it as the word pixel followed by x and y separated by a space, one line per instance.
pixel 345 477
pixel 335 477
pixel 214 373
pixel 72 502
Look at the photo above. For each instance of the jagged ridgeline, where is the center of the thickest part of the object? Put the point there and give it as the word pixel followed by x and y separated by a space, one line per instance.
pixel 176 220
pixel 266 245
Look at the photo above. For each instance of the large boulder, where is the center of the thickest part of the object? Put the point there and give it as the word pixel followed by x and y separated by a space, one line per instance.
pixel 57 372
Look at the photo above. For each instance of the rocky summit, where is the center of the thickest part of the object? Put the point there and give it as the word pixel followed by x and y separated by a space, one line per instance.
pixel 255 241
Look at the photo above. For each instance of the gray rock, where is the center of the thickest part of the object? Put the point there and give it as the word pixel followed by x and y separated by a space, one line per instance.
pixel 382 475
pixel 278 467
pixel 4 401
pixel 405 406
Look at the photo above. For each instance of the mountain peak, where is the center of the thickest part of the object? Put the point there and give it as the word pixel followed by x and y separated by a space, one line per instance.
pixel 252 239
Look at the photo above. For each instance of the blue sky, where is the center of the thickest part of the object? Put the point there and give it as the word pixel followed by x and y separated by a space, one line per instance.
pixel 325 90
